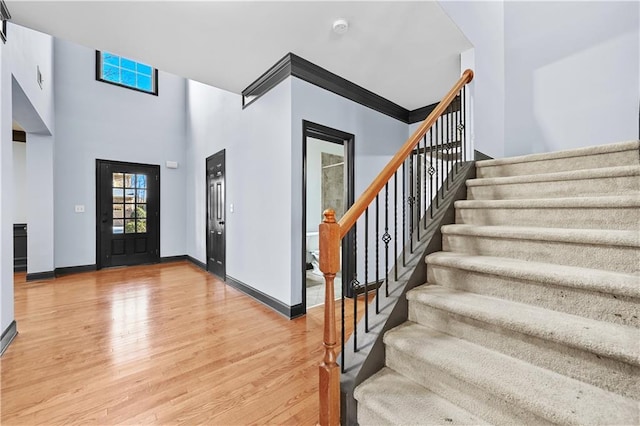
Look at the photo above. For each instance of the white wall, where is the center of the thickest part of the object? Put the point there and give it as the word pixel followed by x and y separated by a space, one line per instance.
pixel 95 120
pixel 28 50
pixel 19 182
pixel 257 142
pixel 552 75
pixel 6 193
pixel 377 138
pixel 315 148
pixel 572 74
pixel 483 24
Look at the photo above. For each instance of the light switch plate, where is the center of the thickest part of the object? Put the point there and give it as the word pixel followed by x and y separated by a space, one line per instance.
pixel 79 208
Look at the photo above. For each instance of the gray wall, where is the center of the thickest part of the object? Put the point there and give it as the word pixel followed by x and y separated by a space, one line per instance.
pixel 95 120
pixel 552 75
pixel 377 138
pixel 258 174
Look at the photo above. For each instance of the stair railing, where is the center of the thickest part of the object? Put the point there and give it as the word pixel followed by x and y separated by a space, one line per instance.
pixel 436 149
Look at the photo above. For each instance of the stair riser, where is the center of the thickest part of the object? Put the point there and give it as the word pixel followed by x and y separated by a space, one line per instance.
pixel 611 258
pixel 492 408
pixel 369 417
pixel 590 304
pixel 618 185
pixel 623 218
pixel 613 375
pixel 621 158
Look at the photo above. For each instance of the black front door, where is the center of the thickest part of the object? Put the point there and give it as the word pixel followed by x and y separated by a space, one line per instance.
pixel 128 213
pixel 216 245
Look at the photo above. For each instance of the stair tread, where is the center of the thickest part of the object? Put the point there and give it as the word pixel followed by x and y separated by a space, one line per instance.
pixel 629 238
pixel 603 281
pixel 615 341
pixel 543 392
pixel 578 152
pixel 402 401
pixel 615 201
pixel 603 172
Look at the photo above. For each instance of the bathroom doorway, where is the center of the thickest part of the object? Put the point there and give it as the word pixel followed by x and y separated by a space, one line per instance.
pixel 328 182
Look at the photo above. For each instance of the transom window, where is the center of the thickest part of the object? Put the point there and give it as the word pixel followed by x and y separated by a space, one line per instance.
pixel 125 72
pixel 129 203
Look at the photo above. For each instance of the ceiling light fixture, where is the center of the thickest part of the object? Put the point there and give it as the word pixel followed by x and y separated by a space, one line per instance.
pixel 340 26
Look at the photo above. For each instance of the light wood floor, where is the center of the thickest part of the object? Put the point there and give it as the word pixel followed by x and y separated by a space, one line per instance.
pixel 161 344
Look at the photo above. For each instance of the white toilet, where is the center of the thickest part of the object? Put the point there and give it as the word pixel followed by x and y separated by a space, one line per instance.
pixel 313 252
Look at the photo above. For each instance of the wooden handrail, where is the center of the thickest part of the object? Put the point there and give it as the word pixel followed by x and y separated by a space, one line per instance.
pixel 357 209
pixel 330 235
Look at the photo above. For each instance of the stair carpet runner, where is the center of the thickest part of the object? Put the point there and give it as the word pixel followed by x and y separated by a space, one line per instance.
pixel 530 315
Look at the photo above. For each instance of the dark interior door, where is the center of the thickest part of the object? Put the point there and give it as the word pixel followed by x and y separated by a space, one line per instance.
pixel 216 245
pixel 128 213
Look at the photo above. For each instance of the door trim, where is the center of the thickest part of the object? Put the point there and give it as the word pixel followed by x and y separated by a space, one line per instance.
pixel 319 131
pixel 208 236
pixel 99 162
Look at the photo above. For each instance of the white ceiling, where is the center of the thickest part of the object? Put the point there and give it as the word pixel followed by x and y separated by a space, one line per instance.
pixel 407 52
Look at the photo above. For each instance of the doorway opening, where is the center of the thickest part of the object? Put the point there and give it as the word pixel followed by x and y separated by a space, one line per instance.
pixel 328 182
pixel 216 212
pixel 127 214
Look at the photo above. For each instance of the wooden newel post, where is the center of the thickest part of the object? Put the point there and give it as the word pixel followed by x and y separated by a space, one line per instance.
pixel 329 369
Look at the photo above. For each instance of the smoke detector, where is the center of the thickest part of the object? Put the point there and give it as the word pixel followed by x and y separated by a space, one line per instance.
pixel 340 26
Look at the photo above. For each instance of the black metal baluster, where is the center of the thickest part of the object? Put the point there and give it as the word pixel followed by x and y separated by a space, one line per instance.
pixel 447 145
pixel 432 171
pixel 459 129
pixel 377 253
pixel 411 201
pixel 438 168
pixel 424 181
pixel 366 270
pixel 386 237
pixel 355 285
pixel 441 159
pixel 464 123
pixel 404 212
pixel 395 225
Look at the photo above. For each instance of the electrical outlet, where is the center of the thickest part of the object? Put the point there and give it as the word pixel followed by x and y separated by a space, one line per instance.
pixel 79 208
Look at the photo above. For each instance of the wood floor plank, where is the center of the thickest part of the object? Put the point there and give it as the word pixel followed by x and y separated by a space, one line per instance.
pixel 157 344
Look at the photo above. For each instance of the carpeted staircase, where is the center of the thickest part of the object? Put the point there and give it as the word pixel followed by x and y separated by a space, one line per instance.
pixel 530 315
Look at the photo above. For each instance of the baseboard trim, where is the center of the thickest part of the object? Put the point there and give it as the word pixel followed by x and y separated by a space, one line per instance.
pixel 479 156
pixel 7 336
pixel 74 269
pixel 288 311
pixel 37 276
pixel 197 263
pixel 169 259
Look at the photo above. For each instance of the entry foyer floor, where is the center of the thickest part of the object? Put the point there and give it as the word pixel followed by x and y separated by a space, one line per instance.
pixel 159 344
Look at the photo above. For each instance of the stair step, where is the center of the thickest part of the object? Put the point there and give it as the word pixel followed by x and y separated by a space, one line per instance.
pixel 610 250
pixel 624 153
pixel 612 212
pixel 605 181
pixel 592 293
pixel 496 387
pixel 388 398
pixel 603 354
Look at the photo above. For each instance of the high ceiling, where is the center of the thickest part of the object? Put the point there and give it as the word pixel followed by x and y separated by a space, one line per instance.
pixel 407 52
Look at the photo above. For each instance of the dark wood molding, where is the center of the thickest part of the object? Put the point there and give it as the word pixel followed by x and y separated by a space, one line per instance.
pixel 4 17
pixel 293 65
pixel 19 136
pixel 197 263
pixel 8 335
pixel 38 276
pixel 169 259
pixel 288 311
pixel 67 270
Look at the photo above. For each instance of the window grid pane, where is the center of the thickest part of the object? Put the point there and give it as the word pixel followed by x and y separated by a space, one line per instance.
pixel 129 208
pixel 127 72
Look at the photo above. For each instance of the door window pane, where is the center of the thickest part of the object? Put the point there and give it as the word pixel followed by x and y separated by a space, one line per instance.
pixel 141 181
pixel 129 195
pixel 118 180
pixel 141 225
pixel 130 180
pixel 141 211
pixel 129 211
pixel 118 211
pixel 118 226
pixel 118 195
pixel 129 226
pixel 142 196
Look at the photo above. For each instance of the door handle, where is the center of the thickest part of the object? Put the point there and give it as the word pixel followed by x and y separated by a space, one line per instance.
pixel 221 222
